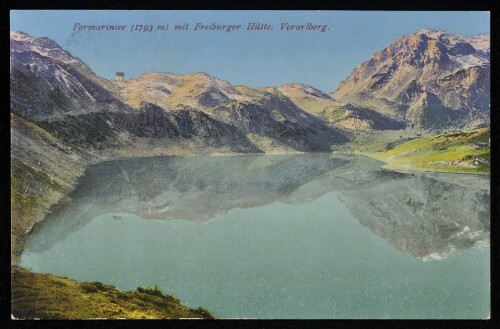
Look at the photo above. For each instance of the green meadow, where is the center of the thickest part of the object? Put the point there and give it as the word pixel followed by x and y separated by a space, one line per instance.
pixel 466 152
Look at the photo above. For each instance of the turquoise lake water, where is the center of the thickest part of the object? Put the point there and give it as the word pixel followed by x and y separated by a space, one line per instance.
pixel 277 236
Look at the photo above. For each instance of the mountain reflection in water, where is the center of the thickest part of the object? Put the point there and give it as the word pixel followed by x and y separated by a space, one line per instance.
pixel 425 215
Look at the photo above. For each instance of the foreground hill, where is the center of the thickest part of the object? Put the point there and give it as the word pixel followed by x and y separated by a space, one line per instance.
pixel 430 79
pixel 45 296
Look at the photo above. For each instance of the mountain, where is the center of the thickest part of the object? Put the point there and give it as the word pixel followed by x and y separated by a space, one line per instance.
pixel 170 91
pixel 48 82
pixel 430 80
pixel 268 117
pixel 59 93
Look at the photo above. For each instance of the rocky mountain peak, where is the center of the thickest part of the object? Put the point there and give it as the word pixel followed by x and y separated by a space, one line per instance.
pixel 425 61
pixel 23 43
pixel 431 33
pixel 20 36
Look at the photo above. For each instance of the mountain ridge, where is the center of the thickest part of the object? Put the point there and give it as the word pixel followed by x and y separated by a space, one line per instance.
pixel 58 92
pixel 385 92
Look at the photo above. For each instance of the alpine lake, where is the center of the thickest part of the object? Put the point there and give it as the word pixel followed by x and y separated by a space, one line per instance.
pixel 300 236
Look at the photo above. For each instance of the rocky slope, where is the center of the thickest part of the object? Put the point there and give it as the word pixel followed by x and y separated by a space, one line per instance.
pixel 43 170
pixel 272 115
pixel 429 79
pixel 337 113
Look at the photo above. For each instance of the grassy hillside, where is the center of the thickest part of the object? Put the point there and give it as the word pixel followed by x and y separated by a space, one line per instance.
pixel 467 152
pixel 46 296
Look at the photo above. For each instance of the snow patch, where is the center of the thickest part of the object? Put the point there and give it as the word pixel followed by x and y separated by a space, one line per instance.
pixel 469 60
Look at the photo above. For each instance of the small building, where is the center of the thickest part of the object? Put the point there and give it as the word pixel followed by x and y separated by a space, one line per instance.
pixel 120 76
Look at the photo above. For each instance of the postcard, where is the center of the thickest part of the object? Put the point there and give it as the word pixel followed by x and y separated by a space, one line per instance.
pixel 250 164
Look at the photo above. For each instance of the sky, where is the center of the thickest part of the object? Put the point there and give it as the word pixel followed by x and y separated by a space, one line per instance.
pixel 242 57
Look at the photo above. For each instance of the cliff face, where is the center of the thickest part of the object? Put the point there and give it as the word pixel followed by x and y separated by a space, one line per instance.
pixel 153 121
pixel 429 74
